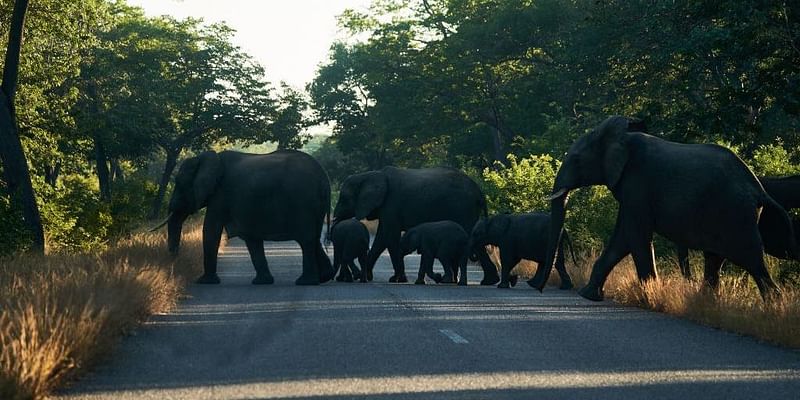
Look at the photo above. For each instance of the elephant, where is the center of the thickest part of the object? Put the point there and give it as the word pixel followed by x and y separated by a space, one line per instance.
pixel 520 237
pixel 403 198
pixel 446 241
pixel 350 241
pixel 786 192
pixel 700 196
pixel 283 195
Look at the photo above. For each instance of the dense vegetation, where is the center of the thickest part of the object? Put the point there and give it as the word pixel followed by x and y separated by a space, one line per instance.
pixel 109 100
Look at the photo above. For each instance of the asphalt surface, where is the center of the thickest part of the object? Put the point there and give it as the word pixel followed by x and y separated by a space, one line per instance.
pixel 402 341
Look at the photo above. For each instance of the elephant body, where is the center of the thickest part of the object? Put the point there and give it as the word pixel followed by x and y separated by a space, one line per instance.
pixel 446 241
pixel 350 241
pixel 786 192
pixel 283 195
pixel 519 237
pixel 697 195
pixel 403 198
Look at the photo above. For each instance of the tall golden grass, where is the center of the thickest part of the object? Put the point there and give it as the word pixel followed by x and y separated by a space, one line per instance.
pixel 61 313
pixel 736 306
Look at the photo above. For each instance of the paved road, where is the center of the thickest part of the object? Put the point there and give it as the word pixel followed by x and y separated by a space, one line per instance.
pixel 385 341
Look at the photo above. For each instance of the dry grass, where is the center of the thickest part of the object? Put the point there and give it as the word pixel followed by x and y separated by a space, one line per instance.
pixel 61 313
pixel 736 306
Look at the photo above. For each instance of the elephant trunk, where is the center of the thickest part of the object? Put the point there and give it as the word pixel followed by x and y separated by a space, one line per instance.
pixel 174 228
pixel 558 209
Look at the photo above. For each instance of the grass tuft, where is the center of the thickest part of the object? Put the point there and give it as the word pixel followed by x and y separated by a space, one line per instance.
pixel 62 313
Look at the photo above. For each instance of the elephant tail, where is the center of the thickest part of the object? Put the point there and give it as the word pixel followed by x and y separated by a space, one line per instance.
pixel 777 232
pixel 568 241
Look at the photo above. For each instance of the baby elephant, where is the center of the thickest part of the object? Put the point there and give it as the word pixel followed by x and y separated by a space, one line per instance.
pixel 445 240
pixel 350 241
pixel 519 236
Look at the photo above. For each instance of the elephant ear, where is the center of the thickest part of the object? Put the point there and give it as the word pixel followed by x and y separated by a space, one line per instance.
pixel 614 132
pixel 206 178
pixel 371 194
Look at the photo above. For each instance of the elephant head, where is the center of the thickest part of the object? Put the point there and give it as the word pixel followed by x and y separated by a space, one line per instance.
pixel 195 182
pixel 410 242
pixel 361 196
pixel 489 231
pixel 597 158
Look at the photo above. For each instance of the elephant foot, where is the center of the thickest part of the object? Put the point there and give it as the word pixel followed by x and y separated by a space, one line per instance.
pixel 513 280
pixel 504 285
pixel 490 280
pixel 462 282
pixel 401 278
pixel 566 285
pixel 208 279
pixel 437 277
pixel 419 281
pixel 368 275
pixel 356 276
pixel 448 278
pixel 536 283
pixel 263 279
pixel 340 278
pixel 348 279
pixel 304 280
pixel 326 275
pixel 591 292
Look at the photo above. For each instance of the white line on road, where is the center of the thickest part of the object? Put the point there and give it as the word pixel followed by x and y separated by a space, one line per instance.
pixel 452 335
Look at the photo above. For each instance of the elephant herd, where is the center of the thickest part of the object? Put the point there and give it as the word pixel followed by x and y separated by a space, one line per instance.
pixel 699 196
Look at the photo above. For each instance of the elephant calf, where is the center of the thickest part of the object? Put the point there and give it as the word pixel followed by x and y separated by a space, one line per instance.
pixel 350 241
pixel 444 240
pixel 519 237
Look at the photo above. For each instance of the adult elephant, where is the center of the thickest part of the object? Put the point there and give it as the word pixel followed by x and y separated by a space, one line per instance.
pixel 283 195
pixel 403 198
pixel 697 195
pixel 786 192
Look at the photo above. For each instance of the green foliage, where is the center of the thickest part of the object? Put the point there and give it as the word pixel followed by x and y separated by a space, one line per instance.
pixel 74 218
pixel 774 160
pixel 13 235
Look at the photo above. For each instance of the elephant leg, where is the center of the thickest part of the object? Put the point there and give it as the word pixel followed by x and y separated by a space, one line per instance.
pixel 337 264
pixel 751 258
pixel 378 246
pixel 356 272
pixel 713 263
pixel 362 261
pixel 397 261
pixel 639 237
pixel 462 264
pixel 323 264
pixel 310 275
pixel 256 249
pixel 507 263
pixel 212 233
pixel 612 254
pixel 490 276
pixel 683 262
pixel 425 268
pixel 566 281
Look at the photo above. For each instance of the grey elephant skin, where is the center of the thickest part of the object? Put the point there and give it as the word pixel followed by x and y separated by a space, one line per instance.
pixel 350 242
pixel 786 192
pixel 446 241
pixel 283 195
pixel 699 196
pixel 404 198
pixel 520 237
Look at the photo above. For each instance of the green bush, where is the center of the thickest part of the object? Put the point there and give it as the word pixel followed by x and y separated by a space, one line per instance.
pixel 130 204
pixel 13 236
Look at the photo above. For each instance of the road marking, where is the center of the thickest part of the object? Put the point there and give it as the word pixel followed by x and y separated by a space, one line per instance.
pixel 452 335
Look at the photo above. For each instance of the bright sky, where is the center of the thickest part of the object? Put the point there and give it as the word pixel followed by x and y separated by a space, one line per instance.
pixel 290 38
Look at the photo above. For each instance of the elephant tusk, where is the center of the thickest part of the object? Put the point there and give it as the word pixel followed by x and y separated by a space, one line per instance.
pixel 557 194
pixel 157 227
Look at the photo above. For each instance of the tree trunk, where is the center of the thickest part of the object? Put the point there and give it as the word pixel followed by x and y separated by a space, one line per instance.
pixel 101 163
pixel 15 166
pixel 117 174
pixel 169 167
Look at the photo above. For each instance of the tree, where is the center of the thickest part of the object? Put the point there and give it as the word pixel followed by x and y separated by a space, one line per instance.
pixel 15 168
pixel 289 121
